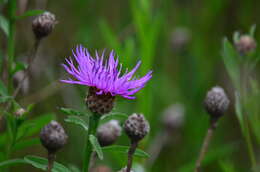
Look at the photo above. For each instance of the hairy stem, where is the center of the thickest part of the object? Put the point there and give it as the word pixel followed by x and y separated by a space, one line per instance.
pixel 205 144
pixel 51 158
pixel 130 155
pixel 93 124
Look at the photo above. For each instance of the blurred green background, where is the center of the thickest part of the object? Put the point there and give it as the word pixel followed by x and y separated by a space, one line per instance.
pixel 180 40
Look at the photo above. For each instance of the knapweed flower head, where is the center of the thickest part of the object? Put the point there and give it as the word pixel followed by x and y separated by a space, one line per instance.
pixel 104 74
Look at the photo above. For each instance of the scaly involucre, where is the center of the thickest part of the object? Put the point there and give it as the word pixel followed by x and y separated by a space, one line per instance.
pixel 103 74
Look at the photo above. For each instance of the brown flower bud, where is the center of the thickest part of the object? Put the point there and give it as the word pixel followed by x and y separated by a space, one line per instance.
pixel 20 112
pixel 101 104
pixel 108 133
pixel 216 102
pixel 53 137
pixel 136 127
pixel 245 44
pixel 43 25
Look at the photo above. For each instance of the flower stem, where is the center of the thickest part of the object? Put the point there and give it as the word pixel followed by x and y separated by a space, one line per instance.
pixel 205 145
pixel 51 158
pixel 130 155
pixel 10 41
pixel 93 124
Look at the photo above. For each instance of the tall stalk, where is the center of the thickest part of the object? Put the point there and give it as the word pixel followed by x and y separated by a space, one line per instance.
pixel 93 124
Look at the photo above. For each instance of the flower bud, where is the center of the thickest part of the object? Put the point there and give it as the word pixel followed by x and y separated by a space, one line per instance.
pixel 245 44
pixel 43 24
pixel 173 117
pixel 20 112
pixel 101 104
pixel 108 133
pixel 216 102
pixel 53 136
pixel 136 127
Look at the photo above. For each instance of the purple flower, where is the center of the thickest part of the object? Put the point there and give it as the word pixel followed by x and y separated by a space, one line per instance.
pixel 104 74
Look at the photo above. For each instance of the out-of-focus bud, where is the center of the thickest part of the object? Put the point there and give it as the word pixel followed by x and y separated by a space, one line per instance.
pixel 173 117
pixel 53 137
pixel 19 77
pixel 136 127
pixel 43 24
pixel 245 44
pixel 19 113
pixel 180 38
pixel 108 133
pixel 216 102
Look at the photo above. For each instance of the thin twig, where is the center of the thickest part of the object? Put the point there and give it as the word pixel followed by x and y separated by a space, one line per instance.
pixel 130 155
pixel 51 158
pixel 205 145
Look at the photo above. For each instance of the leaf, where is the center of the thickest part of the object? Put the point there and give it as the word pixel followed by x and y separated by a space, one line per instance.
pixel 76 120
pixel 124 150
pixel 12 162
pixel 29 14
pixel 96 146
pixel 252 30
pixel 4 25
pixel 3 89
pixel 41 163
pixel 115 115
pixel 231 62
pixel 33 126
pixel 69 111
pixel 238 109
pixel 236 36
pixel 19 66
pixel 26 143
pixel 4 99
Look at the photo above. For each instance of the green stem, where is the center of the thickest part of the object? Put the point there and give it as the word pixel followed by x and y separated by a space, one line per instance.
pixel 93 124
pixel 10 41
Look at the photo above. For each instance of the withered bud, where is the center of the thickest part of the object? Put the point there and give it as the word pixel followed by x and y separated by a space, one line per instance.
pixel 245 44
pixel 53 137
pixel 173 117
pixel 100 104
pixel 108 133
pixel 43 24
pixel 18 78
pixel 216 102
pixel 20 112
pixel 136 127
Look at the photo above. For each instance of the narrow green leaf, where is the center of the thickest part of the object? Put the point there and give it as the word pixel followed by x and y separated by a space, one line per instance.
pixel 236 36
pixel 4 99
pixel 33 126
pixel 96 146
pixel 252 30
pixel 238 109
pixel 30 13
pixel 78 121
pixel 124 150
pixel 41 163
pixel 69 111
pixel 26 143
pixel 4 25
pixel 12 162
pixel 3 89
pixel 115 115
pixel 231 62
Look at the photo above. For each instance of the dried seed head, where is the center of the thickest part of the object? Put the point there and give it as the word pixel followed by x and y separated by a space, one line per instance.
pixel 124 170
pixel 53 137
pixel 108 133
pixel 20 112
pixel 43 24
pixel 100 104
pixel 136 127
pixel 216 102
pixel 173 117
pixel 245 44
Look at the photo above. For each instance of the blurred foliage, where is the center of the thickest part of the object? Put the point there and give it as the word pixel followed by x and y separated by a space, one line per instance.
pixel 183 71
